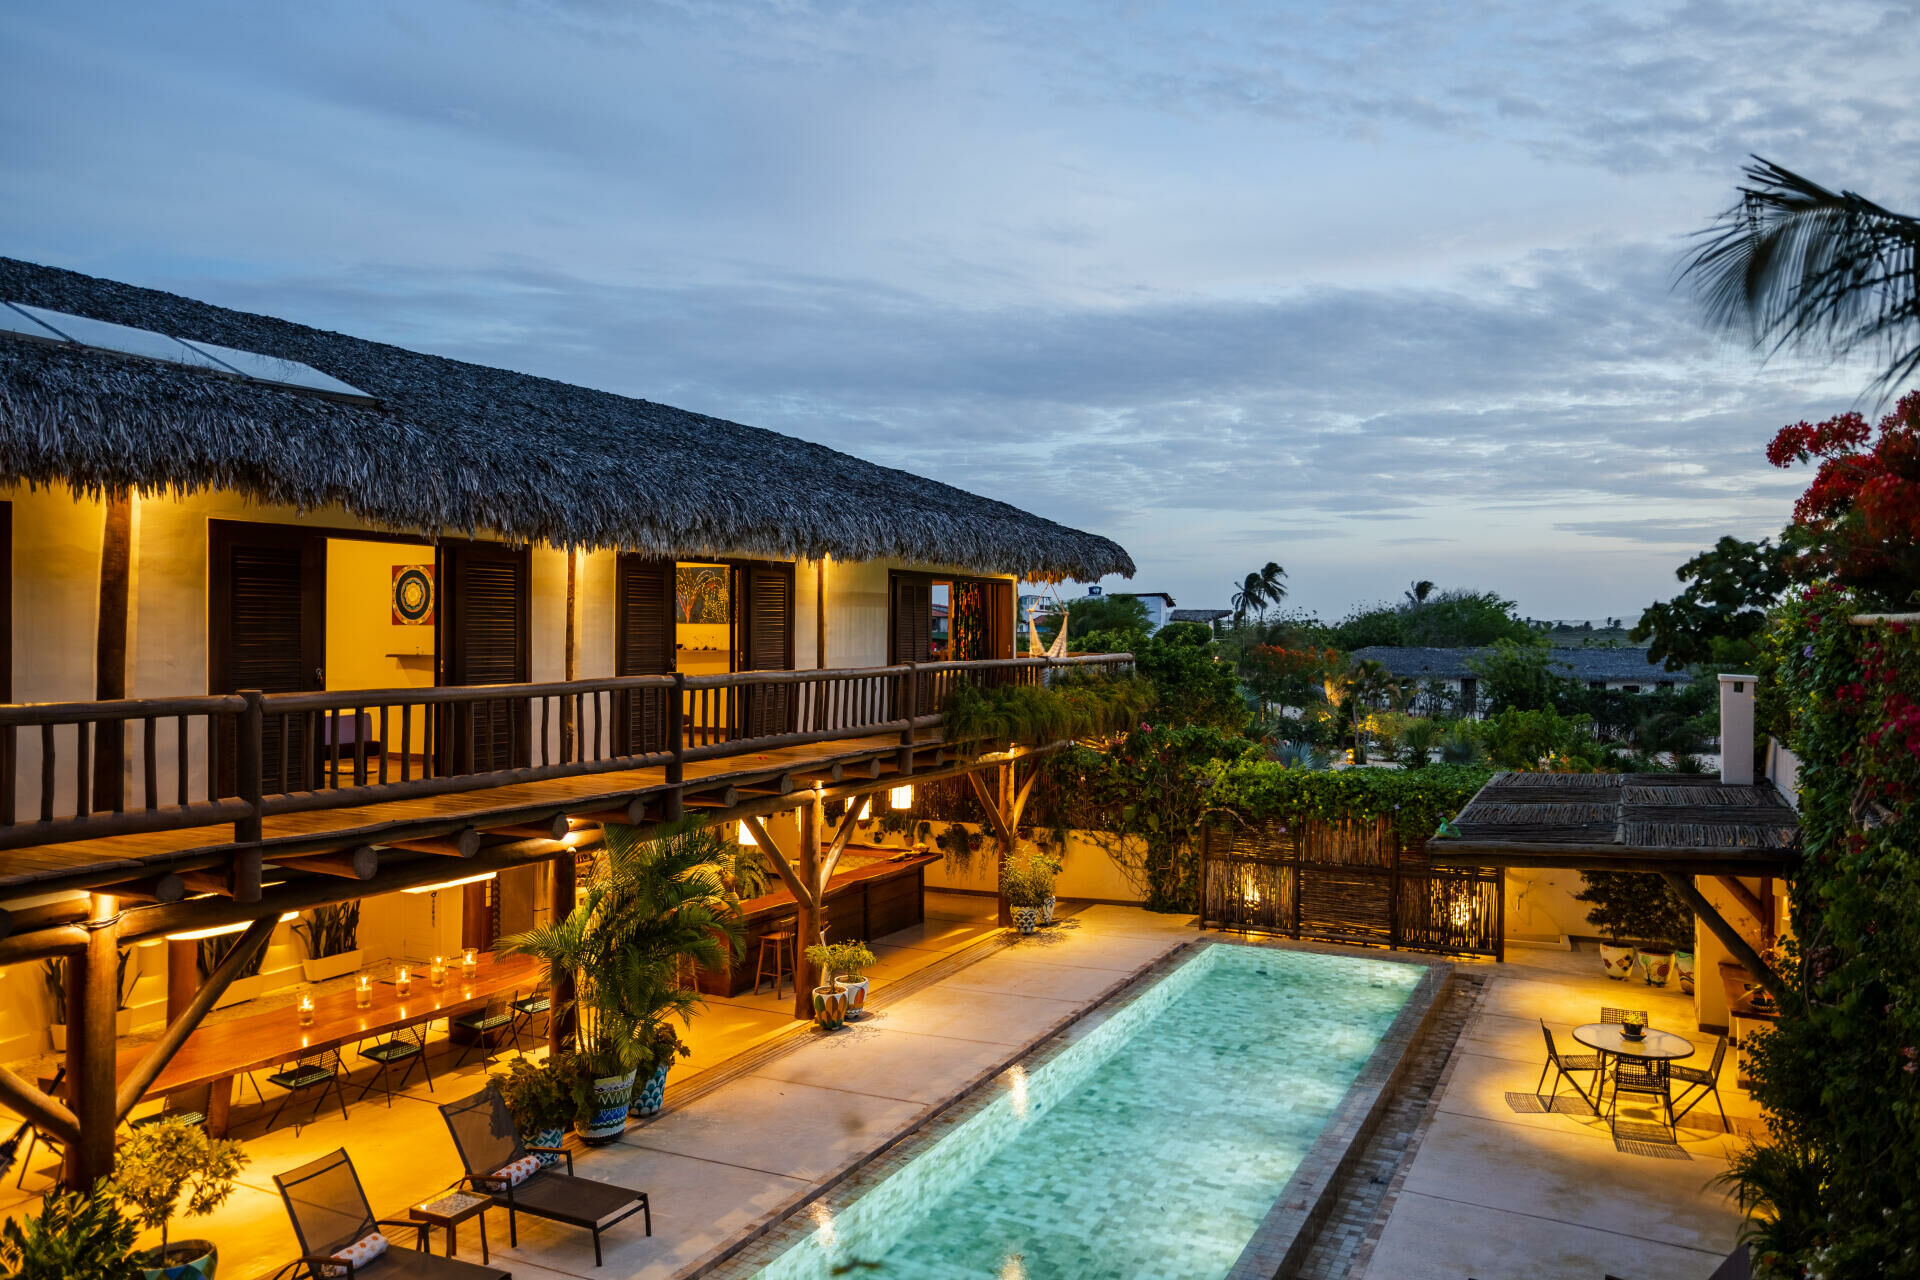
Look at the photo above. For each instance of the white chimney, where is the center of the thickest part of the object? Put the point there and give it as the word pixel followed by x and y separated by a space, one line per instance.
pixel 1736 730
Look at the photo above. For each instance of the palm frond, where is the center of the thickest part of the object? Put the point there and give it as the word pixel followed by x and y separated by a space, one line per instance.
pixel 1797 265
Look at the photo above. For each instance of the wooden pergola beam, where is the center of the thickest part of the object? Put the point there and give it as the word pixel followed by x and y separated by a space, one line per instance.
pixel 842 834
pixel 463 845
pixel 252 941
pixel 1730 938
pixel 359 863
pixel 1746 897
pixel 795 885
pixel 45 1111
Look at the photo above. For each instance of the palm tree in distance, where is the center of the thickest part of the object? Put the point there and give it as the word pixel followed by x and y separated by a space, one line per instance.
pixel 1257 591
pixel 1798 265
pixel 1417 592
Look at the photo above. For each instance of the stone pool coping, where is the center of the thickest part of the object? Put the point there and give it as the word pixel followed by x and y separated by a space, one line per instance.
pixel 1285 1233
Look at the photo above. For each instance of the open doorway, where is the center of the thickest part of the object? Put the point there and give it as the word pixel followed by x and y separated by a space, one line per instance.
pixel 382 603
pixel 936 618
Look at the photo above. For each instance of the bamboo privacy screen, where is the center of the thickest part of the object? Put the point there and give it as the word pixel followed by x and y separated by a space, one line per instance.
pixel 1352 881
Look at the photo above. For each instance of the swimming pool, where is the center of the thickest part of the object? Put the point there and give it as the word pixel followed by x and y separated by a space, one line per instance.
pixel 1153 1144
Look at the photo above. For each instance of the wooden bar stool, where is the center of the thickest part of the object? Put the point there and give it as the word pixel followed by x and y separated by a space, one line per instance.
pixel 783 959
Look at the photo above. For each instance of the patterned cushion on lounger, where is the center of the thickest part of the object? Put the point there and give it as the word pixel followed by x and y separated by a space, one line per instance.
pixel 519 1171
pixel 363 1250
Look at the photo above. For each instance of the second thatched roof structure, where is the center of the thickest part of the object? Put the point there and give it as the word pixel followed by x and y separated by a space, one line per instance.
pixel 457 446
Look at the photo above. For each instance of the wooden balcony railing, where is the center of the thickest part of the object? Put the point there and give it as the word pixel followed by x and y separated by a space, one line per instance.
pixel 203 761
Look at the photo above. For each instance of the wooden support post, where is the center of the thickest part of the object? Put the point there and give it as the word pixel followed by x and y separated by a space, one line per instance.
pixel 1004 850
pixel 568 730
pixel 560 886
pixel 110 651
pixel 820 613
pixel 1748 900
pixel 1730 937
pixel 909 699
pixel 811 919
pixel 464 845
pixel 92 1000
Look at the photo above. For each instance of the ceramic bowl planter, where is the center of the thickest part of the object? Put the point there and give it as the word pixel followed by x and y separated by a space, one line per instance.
pixel 1026 919
pixel 611 1096
pixel 1683 969
pixel 1656 966
pixel 830 1007
pixel 1617 960
pixel 652 1093
pixel 186 1260
pixel 1046 909
pixel 551 1136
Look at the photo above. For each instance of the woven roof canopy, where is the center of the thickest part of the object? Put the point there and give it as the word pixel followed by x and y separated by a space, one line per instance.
pixel 1681 823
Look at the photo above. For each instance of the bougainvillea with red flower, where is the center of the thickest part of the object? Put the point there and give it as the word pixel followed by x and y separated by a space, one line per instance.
pixel 1858 523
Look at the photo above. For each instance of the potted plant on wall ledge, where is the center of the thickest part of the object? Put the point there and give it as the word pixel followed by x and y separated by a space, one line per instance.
pixel 249 982
pixel 1027 889
pixel 332 935
pixel 845 965
pixel 158 1164
pixel 1636 912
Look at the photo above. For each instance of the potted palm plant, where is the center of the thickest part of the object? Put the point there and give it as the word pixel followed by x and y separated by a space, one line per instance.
pixel 332 935
pixel 74 1237
pixel 845 964
pixel 540 1098
pixel 154 1167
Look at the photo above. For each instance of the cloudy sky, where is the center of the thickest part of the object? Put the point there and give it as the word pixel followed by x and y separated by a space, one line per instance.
pixel 1379 291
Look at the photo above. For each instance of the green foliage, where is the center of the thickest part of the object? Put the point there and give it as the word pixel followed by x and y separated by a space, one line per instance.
pixel 331 930
pixel 1447 619
pixel 1417 741
pixel 1027 882
pixel 841 959
pixel 1517 673
pixel 654 906
pixel 1633 906
pixel 1285 677
pixel 1191 683
pixel 74 1237
pixel 539 1095
pixel 1517 739
pixel 158 1163
pixel 1258 591
pixel 214 950
pixel 1719 617
pixel 1073 706
pixel 1105 615
pixel 1837 1184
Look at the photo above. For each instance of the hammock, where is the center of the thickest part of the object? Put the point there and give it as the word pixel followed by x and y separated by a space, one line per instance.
pixel 1058 649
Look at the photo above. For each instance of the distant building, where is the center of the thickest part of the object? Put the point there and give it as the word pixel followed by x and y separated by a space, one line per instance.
pixel 1205 617
pixel 1625 669
pixel 1159 607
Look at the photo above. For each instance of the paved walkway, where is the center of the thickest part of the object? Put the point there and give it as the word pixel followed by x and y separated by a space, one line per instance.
pixel 1499 1189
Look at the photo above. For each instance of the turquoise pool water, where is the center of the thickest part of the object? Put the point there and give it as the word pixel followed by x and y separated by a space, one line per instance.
pixel 1152 1146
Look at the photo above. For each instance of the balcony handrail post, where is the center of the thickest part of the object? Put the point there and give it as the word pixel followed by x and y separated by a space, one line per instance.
pixel 249 757
pixel 677 745
pixel 910 704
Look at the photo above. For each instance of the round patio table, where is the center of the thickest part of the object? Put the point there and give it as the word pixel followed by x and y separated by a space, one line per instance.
pixel 1611 1037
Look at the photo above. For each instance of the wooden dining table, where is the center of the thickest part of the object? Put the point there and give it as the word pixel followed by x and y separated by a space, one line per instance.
pixel 215 1053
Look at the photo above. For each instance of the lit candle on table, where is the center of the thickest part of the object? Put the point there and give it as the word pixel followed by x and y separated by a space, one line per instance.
pixel 402 983
pixel 469 964
pixel 363 991
pixel 306 1011
pixel 437 971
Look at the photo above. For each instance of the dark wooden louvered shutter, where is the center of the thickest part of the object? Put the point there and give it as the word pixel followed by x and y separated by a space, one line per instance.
pixel 485 618
pixel 766 633
pixel 267 630
pixel 910 631
pixel 643 646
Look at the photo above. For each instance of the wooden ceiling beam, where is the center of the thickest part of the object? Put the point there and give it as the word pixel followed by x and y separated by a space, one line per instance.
pixel 554 828
pixel 361 862
pixel 464 845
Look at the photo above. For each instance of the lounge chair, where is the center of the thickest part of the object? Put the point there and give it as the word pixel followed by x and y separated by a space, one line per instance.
pixel 330 1213
pixel 489 1143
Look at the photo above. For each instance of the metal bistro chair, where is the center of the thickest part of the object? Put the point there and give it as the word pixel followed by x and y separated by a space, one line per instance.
pixel 489 1144
pixel 1563 1067
pixel 526 1009
pixel 1647 1077
pixel 1700 1082
pixel 496 1016
pixel 319 1071
pixel 408 1045
pixel 1610 1014
pixel 330 1214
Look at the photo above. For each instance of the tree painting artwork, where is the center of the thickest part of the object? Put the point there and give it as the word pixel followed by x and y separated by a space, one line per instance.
pixel 701 592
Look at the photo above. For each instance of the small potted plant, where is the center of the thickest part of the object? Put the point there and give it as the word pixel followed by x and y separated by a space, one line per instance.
pixel 540 1098
pixel 665 1047
pixel 74 1237
pixel 154 1167
pixel 1026 892
pixel 1046 871
pixel 332 935
pixel 845 964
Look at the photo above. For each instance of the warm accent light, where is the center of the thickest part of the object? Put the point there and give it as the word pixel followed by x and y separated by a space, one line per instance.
pixel 306 1011
pixel 745 835
pixel 451 884
pixel 363 991
pixel 437 971
pixel 469 965
pixel 866 809
pixel 901 797
pixel 221 931
pixel 402 981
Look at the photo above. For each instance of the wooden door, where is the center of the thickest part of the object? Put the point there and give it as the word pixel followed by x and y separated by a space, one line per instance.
pixel 485 621
pixel 267 630
pixel 644 627
pixel 910 631
pixel 763 602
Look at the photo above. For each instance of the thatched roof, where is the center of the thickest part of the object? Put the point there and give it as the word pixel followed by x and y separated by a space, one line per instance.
pixel 465 447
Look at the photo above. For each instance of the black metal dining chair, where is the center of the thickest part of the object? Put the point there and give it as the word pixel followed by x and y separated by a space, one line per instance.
pixel 481 1024
pixel 1563 1065
pixel 1700 1082
pixel 314 1072
pixel 1644 1077
pixel 525 1010
pixel 330 1215
pixel 408 1045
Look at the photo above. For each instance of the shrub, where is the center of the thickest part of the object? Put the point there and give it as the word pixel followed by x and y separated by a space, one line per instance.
pixel 74 1237
pixel 158 1163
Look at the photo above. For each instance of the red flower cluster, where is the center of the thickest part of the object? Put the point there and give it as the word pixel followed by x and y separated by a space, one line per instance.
pixel 1861 514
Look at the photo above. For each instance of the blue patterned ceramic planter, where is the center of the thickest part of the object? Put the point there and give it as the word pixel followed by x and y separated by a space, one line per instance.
pixel 197 1268
pixel 651 1096
pixel 552 1136
pixel 611 1094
